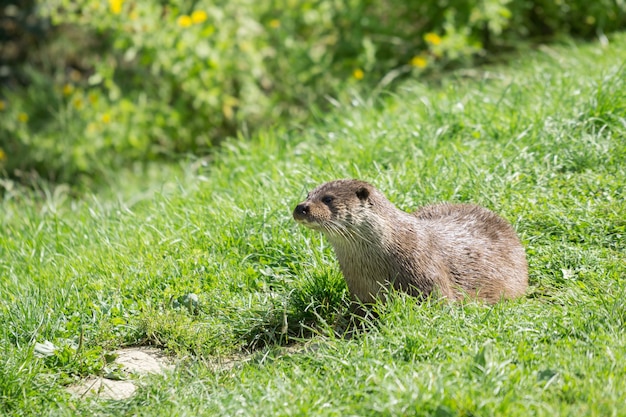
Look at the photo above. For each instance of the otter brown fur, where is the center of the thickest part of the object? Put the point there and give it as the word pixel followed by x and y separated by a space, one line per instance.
pixel 452 250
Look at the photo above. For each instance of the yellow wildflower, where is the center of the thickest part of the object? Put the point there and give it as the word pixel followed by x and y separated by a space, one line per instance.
pixel 199 16
pixel 3 105
pixel 419 61
pixel 22 117
pixel 116 6
pixel 358 74
pixel 432 38
pixel 184 21
pixel 274 23
pixel 106 118
pixel 78 102
pixel 67 89
pixel 3 155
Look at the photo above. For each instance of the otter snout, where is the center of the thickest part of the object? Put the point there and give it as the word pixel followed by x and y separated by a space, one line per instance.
pixel 301 211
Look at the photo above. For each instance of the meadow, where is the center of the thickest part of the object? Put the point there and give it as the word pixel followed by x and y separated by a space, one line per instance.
pixel 542 141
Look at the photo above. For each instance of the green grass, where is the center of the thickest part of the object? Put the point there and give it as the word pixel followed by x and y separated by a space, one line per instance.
pixel 543 142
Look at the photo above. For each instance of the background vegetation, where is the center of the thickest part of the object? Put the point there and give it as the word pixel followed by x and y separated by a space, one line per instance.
pixel 542 142
pixel 90 86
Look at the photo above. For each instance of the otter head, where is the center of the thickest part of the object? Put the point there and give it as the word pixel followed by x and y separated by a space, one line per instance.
pixel 336 207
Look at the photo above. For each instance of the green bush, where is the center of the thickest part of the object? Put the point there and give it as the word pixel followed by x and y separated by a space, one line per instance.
pixel 135 81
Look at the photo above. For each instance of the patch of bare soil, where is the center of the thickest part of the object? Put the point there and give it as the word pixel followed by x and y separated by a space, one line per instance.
pixel 140 361
pixel 134 363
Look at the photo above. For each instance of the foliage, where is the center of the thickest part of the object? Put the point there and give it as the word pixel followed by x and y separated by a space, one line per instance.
pixel 126 81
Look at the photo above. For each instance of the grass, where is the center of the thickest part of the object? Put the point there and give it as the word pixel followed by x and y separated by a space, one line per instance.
pixel 543 142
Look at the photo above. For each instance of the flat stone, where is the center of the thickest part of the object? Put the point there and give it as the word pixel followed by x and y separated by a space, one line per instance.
pixel 134 361
pixel 106 389
pixel 142 360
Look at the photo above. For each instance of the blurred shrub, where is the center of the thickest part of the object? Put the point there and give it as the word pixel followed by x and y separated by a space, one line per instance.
pixel 123 81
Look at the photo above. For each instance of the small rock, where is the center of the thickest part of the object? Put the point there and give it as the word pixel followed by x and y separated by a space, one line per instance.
pixel 134 361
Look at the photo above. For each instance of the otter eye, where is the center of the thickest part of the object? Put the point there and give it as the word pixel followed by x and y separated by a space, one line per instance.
pixel 327 199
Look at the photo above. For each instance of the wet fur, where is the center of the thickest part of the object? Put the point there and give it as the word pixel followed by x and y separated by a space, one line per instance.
pixel 455 250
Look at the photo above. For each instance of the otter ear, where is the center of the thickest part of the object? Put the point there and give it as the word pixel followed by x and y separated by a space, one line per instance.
pixel 362 193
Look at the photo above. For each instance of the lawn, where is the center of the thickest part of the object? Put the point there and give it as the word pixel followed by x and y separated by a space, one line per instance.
pixel 542 141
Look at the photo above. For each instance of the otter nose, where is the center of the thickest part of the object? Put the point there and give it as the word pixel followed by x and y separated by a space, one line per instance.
pixel 301 211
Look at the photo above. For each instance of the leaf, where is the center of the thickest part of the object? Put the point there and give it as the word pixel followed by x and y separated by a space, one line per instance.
pixel 45 349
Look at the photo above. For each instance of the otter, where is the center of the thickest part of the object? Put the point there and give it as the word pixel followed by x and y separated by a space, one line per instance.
pixel 447 250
